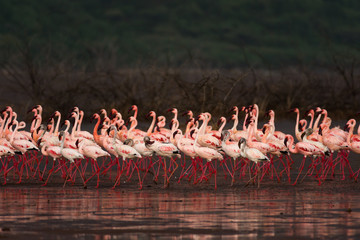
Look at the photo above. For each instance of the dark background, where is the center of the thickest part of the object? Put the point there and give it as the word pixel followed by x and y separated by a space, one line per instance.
pixel 199 55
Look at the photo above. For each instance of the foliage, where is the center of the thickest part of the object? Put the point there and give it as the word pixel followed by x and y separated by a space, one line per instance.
pixel 218 32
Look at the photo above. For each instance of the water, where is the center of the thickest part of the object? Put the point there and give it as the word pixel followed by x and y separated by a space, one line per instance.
pixel 276 211
pixel 56 213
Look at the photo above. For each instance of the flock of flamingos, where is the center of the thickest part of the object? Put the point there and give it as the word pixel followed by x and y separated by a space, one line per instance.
pixel 194 154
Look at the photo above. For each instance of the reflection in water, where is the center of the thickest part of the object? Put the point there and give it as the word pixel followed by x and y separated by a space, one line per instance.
pixel 44 213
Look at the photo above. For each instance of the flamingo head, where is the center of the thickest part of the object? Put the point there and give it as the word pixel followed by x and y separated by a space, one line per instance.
pixel 270 113
pixel 234 108
pixel 318 109
pixel 133 108
pixel 241 142
pixel 191 133
pixel 148 141
pixel 129 142
pixel 296 110
pixel 302 124
pixel 33 109
pixel 150 114
pixel 286 139
pixel 221 120
pixel 309 112
pixel 176 132
pixel 94 116
pixel 225 135
pixel 103 111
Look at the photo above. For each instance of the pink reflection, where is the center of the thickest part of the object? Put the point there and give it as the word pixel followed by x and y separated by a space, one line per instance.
pixel 252 213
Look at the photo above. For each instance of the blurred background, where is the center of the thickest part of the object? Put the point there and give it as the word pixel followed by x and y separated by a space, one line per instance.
pixel 199 55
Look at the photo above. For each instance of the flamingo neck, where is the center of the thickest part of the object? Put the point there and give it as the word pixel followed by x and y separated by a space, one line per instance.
pixel 57 125
pixel 67 123
pixel 135 112
pixel 75 125
pixel 95 131
pixel 62 143
pixel 14 132
pixel 32 126
pixel 291 145
pixel 6 127
pixel 38 120
pixel 51 128
pixel 222 125
pixel 81 113
pixel 351 130
pixel 256 117
pixel 297 133
pixel 203 126
pixel 151 127
pixel 133 124
pixel 316 123
pixel 267 132
pixel 325 116
pixel 236 122
pixel 245 119
pixel 312 115
pixel 3 124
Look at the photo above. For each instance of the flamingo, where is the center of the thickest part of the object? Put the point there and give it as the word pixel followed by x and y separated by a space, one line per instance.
pixel 126 152
pixel 253 143
pixel 304 148
pixel 231 149
pixel 297 132
pixel 253 155
pixel 207 139
pixel 206 153
pixel 21 145
pixel 185 145
pixel 71 155
pixel 79 132
pixel 278 134
pixel 88 149
pixel 353 140
pixel 163 150
pixel 136 132
pixel 330 139
pixel 52 151
pixel 155 135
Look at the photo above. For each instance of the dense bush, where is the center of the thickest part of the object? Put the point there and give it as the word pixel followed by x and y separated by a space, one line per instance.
pixel 227 33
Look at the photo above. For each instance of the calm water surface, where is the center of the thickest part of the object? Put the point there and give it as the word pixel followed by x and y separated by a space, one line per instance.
pixel 56 213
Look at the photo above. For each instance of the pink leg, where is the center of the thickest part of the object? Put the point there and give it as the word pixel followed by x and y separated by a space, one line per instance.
pixel 301 168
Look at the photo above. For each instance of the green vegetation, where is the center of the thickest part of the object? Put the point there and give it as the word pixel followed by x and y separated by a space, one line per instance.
pixel 229 33
pixel 199 55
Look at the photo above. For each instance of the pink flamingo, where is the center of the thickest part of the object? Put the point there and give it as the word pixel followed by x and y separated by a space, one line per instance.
pixel 136 132
pixel 126 152
pixel 163 150
pixel 207 139
pixel 297 132
pixel 70 154
pixel 232 150
pixel 278 134
pixel 253 155
pixel 78 132
pixel 155 135
pixel 353 141
pixel 206 153
pixel 304 148
pixel 88 149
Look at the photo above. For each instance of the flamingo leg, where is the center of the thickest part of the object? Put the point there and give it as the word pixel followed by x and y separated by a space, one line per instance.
pixel 175 163
pixel 300 170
